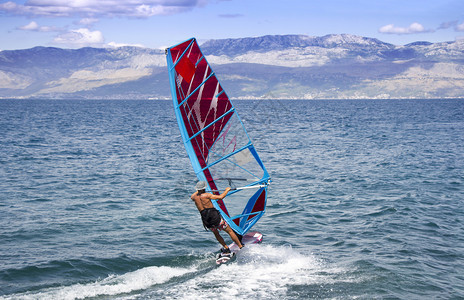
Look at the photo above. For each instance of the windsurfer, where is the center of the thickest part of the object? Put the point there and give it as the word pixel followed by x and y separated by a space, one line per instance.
pixel 210 216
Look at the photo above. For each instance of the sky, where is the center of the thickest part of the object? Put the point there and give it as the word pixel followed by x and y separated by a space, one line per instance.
pixel 163 23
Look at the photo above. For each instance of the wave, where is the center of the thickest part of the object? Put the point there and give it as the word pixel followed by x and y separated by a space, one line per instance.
pixel 110 286
pixel 259 271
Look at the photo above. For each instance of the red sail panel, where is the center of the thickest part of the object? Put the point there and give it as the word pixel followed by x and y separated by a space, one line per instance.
pixel 206 100
pixel 203 103
pixel 259 204
pixel 185 68
pixel 185 54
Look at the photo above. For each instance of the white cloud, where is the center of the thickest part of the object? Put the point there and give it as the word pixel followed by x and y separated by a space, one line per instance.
pixel 82 37
pixel 460 27
pixel 230 16
pixel 452 24
pixel 118 45
pixel 413 28
pixel 87 21
pixel 9 6
pixel 33 26
pixel 446 25
pixel 92 8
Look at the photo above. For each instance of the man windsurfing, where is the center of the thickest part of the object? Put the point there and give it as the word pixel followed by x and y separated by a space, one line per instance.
pixel 211 217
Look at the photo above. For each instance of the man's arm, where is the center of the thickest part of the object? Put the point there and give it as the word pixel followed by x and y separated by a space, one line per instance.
pixel 221 196
pixel 193 195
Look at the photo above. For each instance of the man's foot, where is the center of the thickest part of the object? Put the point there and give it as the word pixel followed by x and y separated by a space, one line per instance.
pixel 243 245
pixel 225 250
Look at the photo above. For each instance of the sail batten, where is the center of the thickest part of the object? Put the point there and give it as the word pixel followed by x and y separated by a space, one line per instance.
pixel 212 123
pixel 187 97
pixel 225 157
pixel 215 138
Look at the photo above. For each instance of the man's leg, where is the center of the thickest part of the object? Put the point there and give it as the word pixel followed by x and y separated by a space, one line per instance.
pixel 220 239
pixel 233 236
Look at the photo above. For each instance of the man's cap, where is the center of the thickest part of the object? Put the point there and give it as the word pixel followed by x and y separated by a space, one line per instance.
pixel 201 185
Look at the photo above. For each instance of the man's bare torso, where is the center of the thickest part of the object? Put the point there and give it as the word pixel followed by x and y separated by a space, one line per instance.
pixel 202 201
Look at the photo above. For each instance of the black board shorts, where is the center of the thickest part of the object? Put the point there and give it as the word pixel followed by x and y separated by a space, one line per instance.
pixel 211 218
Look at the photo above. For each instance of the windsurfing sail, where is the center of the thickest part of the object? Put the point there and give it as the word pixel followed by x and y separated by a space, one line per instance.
pixel 216 141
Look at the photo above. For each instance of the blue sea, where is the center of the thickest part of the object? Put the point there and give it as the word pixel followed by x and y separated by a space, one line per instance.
pixel 367 202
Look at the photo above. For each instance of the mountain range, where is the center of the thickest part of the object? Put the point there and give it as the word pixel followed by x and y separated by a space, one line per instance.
pixel 268 67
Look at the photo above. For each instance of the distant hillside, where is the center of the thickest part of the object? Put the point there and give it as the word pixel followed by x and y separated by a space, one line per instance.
pixel 279 66
pixel 234 47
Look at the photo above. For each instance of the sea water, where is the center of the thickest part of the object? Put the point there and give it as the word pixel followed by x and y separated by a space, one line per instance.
pixel 367 202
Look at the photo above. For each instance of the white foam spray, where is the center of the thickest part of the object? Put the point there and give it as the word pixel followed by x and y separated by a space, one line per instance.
pixel 110 286
pixel 259 272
